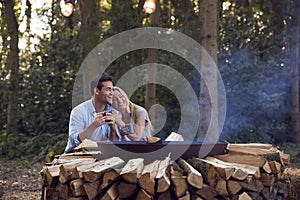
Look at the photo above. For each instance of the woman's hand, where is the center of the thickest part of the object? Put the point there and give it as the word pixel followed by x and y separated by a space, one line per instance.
pixel 118 119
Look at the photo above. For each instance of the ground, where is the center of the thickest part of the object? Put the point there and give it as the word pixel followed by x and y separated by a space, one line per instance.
pixel 19 180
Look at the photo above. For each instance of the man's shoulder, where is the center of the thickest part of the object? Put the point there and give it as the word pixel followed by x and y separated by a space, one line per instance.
pixel 86 105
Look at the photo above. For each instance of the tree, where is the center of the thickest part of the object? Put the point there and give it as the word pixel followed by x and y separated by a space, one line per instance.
pixel 295 62
pixel 208 34
pixel 152 57
pixel 13 65
pixel 89 18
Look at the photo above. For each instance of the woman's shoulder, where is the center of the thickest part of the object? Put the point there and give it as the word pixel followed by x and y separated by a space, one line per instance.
pixel 139 109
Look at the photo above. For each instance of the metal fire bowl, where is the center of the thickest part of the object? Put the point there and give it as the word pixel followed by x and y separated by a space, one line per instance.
pixel 153 151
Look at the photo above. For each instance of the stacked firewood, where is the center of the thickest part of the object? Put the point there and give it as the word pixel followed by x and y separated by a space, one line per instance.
pixel 246 171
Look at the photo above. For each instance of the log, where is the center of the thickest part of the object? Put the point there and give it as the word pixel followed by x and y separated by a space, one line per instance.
pixel 91 189
pixel 282 188
pixel 250 145
pixel 175 169
pixel 275 167
pixel 194 178
pixel 233 187
pixel 50 193
pixel 65 173
pixel 61 160
pixel 92 176
pixel 76 198
pixel 80 155
pixel 132 170
pixel 147 178
pixel 94 171
pixel 105 197
pixel 244 196
pixel 267 179
pixel 87 144
pixel 51 175
pixel 165 195
pixel 76 187
pixel 163 176
pixel 266 168
pixel 251 184
pixel 206 169
pixel 113 191
pixel 180 185
pixel 127 190
pixel 239 174
pixel 221 188
pixel 292 176
pixel 195 197
pixel 186 196
pixel 64 191
pixel 226 172
pixel 109 177
pixel 206 192
pixel 249 169
pixel 143 195
pixel 255 195
pixel 253 160
pixel 223 169
pixel 266 193
pixel 269 154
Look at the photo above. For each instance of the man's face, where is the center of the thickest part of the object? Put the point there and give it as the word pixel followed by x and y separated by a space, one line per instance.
pixel 106 93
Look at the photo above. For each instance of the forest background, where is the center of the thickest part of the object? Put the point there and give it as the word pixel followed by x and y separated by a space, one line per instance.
pixel 257 56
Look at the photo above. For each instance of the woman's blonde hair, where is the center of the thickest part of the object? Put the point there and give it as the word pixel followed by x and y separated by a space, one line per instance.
pixel 132 108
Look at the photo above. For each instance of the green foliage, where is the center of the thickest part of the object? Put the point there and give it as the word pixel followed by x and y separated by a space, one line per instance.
pixel 31 148
pixel 292 149
pixel 252 61
pixel 45 93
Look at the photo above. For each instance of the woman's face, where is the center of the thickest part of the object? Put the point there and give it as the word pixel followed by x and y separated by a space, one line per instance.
pixel 119 101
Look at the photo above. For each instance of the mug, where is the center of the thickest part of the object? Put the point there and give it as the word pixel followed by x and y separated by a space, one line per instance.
pixel 129 128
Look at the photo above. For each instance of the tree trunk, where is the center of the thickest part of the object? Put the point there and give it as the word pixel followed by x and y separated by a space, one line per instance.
pixel 89 17
pixel 208 39
pixel 295 62
pixel 13 65
pixel 152 58
pixel 89 37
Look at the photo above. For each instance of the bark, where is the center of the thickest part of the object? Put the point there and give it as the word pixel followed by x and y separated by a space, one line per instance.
pixel 89 36
pixel 295 61
pixel 13 65
pixel 89 17
pixel 152 58
pixel 208 39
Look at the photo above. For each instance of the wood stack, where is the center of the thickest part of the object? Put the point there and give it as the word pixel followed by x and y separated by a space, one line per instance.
pixel 247 171
pixel 254 173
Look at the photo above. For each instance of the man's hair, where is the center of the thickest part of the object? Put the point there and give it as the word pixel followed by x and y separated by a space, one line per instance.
pixel 98 80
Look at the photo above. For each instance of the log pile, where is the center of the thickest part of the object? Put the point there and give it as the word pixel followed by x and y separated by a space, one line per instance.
pixel 246 171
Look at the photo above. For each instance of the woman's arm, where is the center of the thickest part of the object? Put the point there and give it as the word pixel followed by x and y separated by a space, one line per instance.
pixel 139 127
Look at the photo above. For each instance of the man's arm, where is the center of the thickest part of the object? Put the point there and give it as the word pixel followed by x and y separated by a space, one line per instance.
pixel 88 132
pixel 99 120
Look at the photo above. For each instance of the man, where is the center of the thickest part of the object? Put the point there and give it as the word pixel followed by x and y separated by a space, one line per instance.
pixel 92 119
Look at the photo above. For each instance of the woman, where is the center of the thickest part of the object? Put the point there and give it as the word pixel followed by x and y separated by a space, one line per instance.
pixel 133 119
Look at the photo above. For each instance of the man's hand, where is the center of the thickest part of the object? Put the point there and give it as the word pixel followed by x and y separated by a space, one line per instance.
pixel 104 118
